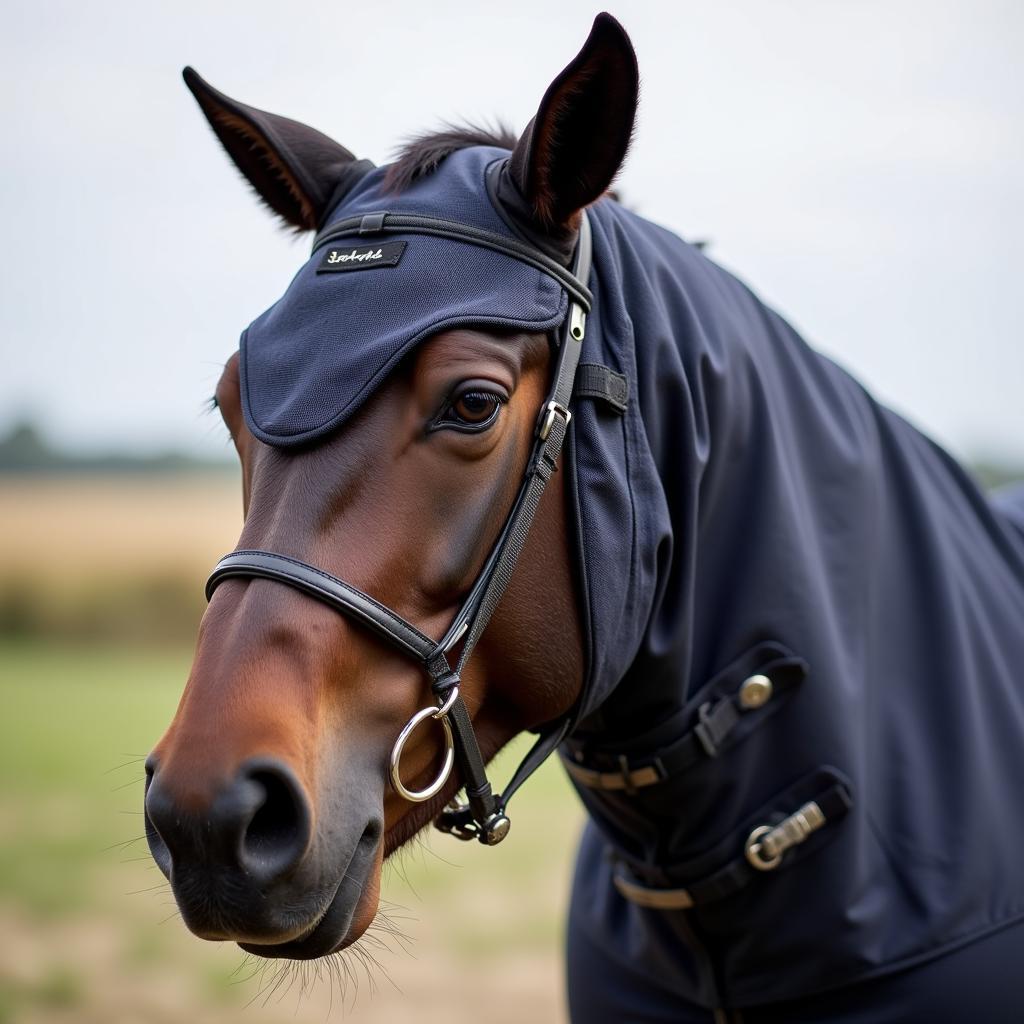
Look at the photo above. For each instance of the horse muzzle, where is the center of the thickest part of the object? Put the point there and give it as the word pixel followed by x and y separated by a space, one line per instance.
pixel 251 867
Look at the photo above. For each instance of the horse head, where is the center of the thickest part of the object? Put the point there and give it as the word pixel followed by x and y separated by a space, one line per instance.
pixel 272 799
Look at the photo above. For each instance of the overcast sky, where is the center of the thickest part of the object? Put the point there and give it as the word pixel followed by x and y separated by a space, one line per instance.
pixel 858 163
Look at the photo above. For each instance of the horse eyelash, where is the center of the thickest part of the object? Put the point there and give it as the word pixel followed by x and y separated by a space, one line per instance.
pixel 437 421
pixel 211 405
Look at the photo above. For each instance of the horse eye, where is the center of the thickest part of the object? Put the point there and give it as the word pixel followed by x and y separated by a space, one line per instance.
pixel 471 411
pixel 475 407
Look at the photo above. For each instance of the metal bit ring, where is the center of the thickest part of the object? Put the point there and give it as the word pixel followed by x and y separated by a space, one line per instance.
pixel 441 715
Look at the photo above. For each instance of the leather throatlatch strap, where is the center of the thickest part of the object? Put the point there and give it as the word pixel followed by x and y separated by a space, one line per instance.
pixel 483 817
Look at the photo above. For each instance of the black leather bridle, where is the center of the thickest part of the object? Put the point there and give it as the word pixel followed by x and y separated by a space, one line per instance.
pixel 483 816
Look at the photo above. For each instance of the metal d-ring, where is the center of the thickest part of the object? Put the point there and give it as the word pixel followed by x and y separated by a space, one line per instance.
pixel 440 714
pixel 755 851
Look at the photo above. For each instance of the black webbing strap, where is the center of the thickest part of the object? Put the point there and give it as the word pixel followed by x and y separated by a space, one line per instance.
pixel 763 851
pixel 714 724
pixel 596 381
pixel 712 731
pixel 552 426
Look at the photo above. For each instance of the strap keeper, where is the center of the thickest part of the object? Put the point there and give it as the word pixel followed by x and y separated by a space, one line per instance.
pixel 542 467
pixel 596 381
pixel 704 730
pixel 627 778
pixel 372 223
pixel 444 683
pixel 442 676
pixel 714 724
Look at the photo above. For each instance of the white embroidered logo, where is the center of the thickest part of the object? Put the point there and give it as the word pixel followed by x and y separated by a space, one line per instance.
pixel 355 256
pixel 362 257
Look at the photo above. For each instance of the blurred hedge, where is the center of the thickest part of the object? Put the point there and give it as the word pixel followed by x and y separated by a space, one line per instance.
pixel 111 558
pixel 159 609
pixel 122 558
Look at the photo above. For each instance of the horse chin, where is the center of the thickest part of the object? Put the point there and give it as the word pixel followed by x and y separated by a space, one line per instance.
pixel 347 916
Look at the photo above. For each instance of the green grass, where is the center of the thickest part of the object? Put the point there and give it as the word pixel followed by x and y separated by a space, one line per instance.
pixel 76 722
pixel 72 715
pixel 70 789
pixel 73 720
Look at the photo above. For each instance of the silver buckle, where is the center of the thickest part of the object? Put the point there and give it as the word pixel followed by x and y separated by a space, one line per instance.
pixel 551 410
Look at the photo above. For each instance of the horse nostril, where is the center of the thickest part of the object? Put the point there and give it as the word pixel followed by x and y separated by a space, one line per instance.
pixel 260 823
pixel 278 833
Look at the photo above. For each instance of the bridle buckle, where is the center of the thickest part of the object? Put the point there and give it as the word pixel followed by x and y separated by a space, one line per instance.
pixel 457 820
pixel 549 412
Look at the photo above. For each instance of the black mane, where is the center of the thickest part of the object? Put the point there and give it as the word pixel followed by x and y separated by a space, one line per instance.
pixel 422 154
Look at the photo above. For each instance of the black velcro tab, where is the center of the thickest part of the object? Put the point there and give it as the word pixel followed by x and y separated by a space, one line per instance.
pixel 361 257
pixel 596 381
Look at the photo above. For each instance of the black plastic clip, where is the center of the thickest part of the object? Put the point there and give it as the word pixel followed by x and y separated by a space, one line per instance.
pixel 457 820
pixel 704 730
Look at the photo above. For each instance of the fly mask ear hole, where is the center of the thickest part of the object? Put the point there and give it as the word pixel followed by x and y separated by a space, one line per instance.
pixel 573 148
pixel 297 171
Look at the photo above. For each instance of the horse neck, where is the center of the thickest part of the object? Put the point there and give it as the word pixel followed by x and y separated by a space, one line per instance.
pixel 766 471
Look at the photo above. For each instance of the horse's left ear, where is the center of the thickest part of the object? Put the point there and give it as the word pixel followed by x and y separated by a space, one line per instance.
pixel 573 148
pixel 295 169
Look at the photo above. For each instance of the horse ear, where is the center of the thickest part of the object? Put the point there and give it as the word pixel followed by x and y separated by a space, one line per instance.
pixel 295 169
pixel 574 146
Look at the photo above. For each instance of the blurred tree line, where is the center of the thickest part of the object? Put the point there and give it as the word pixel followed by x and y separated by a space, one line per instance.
pixel 26 450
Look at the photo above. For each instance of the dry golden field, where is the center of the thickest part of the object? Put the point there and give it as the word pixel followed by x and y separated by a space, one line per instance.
pixel 70 530
pixel 119 558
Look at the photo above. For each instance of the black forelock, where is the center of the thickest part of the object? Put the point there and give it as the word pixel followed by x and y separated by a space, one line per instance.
pixel 423 154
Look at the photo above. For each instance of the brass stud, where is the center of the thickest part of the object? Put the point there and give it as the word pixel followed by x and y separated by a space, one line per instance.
pixel 755 692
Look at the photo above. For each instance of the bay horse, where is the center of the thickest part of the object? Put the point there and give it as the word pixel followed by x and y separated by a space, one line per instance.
pixel 516 459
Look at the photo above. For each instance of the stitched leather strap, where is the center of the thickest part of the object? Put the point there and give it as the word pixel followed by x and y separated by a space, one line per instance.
pixel 342 596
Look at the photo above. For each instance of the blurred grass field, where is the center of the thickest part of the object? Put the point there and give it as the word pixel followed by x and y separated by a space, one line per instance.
pixel 88 931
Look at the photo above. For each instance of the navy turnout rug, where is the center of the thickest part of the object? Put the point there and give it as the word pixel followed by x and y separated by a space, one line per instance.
pixel 791 598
